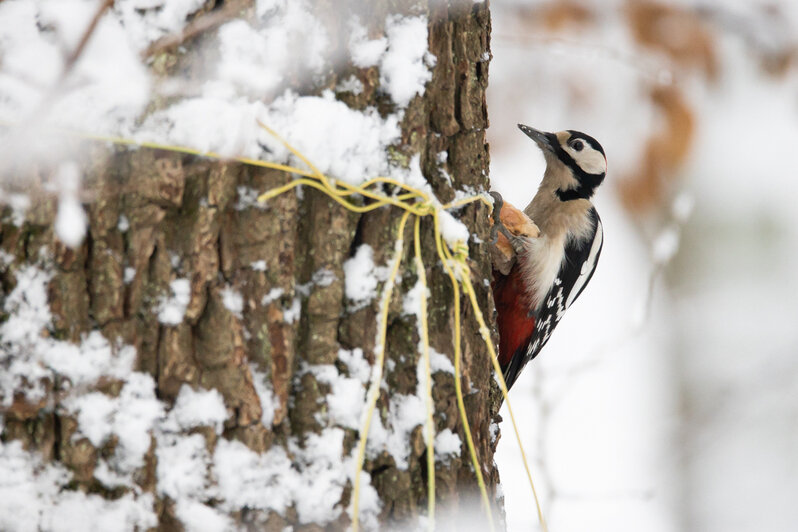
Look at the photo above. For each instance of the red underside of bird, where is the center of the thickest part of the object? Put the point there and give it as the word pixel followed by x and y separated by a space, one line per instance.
pixel 515 324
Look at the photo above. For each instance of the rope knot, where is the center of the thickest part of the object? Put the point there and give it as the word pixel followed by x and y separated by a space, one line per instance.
pixel 425 208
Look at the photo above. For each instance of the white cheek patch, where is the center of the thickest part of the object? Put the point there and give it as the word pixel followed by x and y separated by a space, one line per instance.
pixel 589 160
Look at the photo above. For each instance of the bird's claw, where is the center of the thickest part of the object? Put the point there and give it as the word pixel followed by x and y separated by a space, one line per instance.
pixel 518 242
pixel 498 226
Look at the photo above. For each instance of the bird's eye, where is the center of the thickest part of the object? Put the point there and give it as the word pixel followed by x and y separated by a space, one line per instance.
pixel 577 145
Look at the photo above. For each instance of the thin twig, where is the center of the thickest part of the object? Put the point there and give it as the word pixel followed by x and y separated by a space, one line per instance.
pixel 201 24
pixel 72 58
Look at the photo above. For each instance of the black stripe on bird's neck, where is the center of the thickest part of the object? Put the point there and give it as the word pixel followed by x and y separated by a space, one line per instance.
pixel 588 183
pixel 573 194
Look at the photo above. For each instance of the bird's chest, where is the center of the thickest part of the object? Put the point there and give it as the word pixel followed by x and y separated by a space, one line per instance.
pixel 541 264
pixel 545 256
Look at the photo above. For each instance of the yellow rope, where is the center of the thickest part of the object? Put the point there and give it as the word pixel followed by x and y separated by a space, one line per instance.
pixel 326 186
pixel 376 376
pixel 349 205
pixel 465 278
pixel 466 201
pixel 419 210
pixel 485 332
pixel 457 378
pixel 422 205
pixel 331 185
pixel 316 172
pixel 429 427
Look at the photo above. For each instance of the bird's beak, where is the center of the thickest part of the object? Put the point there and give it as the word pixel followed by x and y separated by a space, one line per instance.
pixel 541 139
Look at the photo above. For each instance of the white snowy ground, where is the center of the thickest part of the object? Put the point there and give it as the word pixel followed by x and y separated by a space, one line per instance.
pixel 687 422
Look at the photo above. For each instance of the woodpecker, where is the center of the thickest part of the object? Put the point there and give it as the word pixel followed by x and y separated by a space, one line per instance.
pixel 550 270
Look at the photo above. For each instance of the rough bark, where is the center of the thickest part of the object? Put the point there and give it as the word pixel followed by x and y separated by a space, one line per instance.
pixel 189 218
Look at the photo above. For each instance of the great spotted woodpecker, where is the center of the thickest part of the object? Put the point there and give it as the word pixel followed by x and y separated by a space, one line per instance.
pixel 550 269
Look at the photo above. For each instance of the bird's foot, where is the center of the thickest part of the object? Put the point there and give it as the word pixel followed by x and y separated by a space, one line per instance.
pixel 518 242
pixel 498 226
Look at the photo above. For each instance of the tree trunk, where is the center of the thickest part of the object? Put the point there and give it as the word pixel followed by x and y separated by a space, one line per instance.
pixel 218 294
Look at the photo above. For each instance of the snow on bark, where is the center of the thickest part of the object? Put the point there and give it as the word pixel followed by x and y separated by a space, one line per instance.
pixel 175 343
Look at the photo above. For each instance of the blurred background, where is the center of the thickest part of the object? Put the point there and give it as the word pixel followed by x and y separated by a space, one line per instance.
pixel 668 397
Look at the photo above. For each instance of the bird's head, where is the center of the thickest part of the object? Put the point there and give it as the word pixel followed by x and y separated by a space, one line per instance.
pixel 575 161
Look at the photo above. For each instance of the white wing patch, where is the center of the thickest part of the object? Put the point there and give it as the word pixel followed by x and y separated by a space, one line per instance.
pixel 588 266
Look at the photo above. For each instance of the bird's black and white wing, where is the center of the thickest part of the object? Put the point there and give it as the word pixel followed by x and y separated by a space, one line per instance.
pixel 579 263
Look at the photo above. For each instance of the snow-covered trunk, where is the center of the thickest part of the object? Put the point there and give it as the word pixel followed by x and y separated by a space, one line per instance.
pixel 200 360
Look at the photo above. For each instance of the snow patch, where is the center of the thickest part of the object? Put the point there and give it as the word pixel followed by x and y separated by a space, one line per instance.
pixel 411 304
pixel 294 312
pixel 346 398
pixel 149 20
pixel 195 408
pixel 248 198
pixel 28 357
pixel 109 477
pixel 405 66
pixel 256 59
pixel 233 301
pixel 172 309
pixel 361 277
pixel 86 362
pixel 108 86
pixel 6 258
pixel 452 229
pixel 232 132
pixel 137 410
pixel 123 224
pixel 406 412
pixel 356 364
pixel 245 478
pixel 447 446
pixel 273 295
pixel 365 52
pixel 344 143
pixel 70 220
pixel 27 308
pixel 95 413
pixel 439 362
pixel 182 466
pixel 269 402
pixel 36 496
pixel 350 84
pixel 19 203
pixel 313 482
pixel 323 277
pixel 197 517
